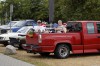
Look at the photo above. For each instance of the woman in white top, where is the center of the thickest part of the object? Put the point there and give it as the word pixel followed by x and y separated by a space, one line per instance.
pixel 60 28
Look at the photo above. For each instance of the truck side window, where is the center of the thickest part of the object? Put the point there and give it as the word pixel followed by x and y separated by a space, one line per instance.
pixel 98 27
pixel 74 27
pixel 90 28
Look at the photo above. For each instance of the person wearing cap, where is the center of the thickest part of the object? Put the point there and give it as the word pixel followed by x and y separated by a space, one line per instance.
pixel 39 27
pixel 60 28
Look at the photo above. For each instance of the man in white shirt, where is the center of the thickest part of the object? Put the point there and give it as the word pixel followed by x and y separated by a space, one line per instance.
pixel 39 27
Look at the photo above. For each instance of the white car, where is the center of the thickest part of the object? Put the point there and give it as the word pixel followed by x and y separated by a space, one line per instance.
pixel 7 26
pixel 4 38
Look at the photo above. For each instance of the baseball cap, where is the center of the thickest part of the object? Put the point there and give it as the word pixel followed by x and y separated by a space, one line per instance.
pixel 39 21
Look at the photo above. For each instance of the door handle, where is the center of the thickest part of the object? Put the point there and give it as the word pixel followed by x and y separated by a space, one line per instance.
pixel 98 36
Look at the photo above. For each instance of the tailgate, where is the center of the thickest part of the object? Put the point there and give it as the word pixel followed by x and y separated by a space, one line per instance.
pixel 32 40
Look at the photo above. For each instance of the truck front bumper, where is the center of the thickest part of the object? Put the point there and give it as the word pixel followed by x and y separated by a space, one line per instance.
pixel 4 41
pixel 30 48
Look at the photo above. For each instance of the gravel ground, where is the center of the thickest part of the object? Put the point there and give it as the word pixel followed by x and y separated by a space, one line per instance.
pixel 91 59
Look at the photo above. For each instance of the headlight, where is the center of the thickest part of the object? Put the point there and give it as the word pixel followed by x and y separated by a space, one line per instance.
pixel 1 38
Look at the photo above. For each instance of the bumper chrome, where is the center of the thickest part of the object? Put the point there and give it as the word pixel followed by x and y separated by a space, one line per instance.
pixel 30 47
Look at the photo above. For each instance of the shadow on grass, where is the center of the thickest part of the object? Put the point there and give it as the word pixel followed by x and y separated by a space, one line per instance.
pixel 84 55
pixel 51 56
pixel 2 45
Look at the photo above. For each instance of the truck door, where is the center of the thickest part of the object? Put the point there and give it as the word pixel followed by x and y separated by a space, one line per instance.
pixel 91 37
pixel 98 33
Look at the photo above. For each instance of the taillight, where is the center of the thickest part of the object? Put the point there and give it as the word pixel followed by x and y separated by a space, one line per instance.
pixel 40 38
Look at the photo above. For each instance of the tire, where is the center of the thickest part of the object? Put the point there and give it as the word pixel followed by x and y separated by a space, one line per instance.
pixel 20 47
pixel 5 44
pixel 45 54
pixel 21 42
pixel 62 51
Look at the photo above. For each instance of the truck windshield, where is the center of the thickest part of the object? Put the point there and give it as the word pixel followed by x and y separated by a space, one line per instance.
pixel 11 23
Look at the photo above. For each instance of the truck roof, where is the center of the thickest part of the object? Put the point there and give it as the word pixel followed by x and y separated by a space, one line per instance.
pixel 83 21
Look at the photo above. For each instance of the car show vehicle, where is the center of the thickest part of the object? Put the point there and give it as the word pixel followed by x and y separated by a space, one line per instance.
pixel 82 37
pixel 15 36
pixel 3 28
pixel 19 25
pixel 22 24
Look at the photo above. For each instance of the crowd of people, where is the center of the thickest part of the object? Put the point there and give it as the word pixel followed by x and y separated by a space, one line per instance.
pixel 56 28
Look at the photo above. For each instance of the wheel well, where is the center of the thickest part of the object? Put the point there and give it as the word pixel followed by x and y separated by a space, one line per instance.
pixel 69 45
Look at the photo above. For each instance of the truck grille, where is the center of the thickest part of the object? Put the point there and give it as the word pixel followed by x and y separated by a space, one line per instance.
pixel 14 41
pixel 1 38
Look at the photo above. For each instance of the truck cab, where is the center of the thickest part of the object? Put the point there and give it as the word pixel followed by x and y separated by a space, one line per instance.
pixel 82 37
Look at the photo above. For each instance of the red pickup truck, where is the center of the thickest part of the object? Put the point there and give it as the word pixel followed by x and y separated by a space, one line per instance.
pixel 82 37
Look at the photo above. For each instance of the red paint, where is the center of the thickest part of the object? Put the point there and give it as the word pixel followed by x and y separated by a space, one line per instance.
pixel 81 42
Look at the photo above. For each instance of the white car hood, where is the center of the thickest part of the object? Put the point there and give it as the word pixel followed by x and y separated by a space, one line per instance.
pixel 9 34
pixel 14 35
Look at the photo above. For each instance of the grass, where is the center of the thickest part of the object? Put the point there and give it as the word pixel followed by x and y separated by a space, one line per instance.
pixel 73 60
pixel 22 55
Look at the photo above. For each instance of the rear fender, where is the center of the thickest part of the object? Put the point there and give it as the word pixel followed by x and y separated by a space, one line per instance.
pixel 63 42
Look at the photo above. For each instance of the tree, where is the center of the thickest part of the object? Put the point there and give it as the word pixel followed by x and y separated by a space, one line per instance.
pixel 28 9
pixel 64 9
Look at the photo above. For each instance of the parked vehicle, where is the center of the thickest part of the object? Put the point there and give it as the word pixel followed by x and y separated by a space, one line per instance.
pixel 82 37
pixel 19 35
pixel 22 24
pixel 7 26
pixel 19 25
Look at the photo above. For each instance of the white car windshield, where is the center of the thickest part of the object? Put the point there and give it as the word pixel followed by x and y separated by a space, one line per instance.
pixel 11 23
pixel 23 30
pixel 19 24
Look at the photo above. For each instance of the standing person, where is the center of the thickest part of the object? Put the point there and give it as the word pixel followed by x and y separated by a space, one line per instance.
pixel 60 28
pixel 39 27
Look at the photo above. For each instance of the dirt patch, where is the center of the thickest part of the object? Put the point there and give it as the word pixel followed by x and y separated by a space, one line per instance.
pixel 91 59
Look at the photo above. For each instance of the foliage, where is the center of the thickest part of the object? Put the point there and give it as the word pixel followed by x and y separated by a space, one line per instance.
pixel 77 9
pixel 64 9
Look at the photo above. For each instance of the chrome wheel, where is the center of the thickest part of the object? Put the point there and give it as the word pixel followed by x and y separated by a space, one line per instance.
pixel 62 51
